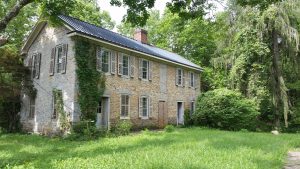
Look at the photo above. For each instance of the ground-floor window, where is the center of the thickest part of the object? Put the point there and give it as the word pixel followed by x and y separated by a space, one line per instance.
pixel 144 106
pixel 192 108
pixel 56 95
pixel 32 108
pixel 124 106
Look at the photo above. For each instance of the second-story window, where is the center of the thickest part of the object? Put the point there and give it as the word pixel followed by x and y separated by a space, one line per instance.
pixel 125 63
pixel 179 77
pixel 145 69
pixel 34 65
pixel 59 61
pixel 192 79
pixel 103 60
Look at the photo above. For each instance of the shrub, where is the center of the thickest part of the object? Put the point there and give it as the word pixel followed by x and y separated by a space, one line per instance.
pixel 169 128
pixel 86 130
pixel 122 128
pixel 225 109
pixel 187 117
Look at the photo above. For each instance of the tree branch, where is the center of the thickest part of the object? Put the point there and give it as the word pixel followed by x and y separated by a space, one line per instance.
pixel 13 13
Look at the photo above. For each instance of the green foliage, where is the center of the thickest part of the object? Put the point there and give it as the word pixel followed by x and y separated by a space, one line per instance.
pixel 91 83
pixel 187 117
pixel 225 109
pixel 122 128
pixel 64 120
pixel 85 130
pixel 187 147
pixel 169 128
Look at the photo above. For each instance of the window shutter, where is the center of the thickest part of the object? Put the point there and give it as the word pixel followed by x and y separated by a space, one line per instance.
pixel 113 62
pixel 183 78
pixel 140 68
pixel 120 64
pixel 176 77
pixel 132 60
pixel 64 58
pixel 52 62
pixel 38 65
pixel 30 65
pixel 150 106
pixel 140 107
pixel 150 70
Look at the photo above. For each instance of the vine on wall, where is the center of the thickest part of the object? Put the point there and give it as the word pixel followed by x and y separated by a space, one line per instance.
pixel 91 83
pixel 64 120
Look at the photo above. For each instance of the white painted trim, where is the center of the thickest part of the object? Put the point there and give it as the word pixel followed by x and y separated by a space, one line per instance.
pixel 123 117
pixel 152 56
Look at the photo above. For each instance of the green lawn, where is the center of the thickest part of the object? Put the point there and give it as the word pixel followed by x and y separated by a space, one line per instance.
pixel 185 148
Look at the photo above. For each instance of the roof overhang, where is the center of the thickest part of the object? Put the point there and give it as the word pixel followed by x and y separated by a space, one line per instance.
pixel 32 36
pixel 75 33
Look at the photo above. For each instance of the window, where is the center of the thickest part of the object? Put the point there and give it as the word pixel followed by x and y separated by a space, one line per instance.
pixel 179 77
pixel 144 107
pixel 192 108
pixel 99 108
pixel 145 69
pixel 34 65
pixel 32 108
pixel 59 60
pixel 103 60
pixel 124 106
pixel 56 94
pixel 192 79
pixel 125 64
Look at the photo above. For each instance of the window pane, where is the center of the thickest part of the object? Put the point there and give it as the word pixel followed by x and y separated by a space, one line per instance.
pixel 145 106
pixel 125 65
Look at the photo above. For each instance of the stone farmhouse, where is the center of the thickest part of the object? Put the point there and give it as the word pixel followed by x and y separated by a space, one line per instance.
pixel 144 84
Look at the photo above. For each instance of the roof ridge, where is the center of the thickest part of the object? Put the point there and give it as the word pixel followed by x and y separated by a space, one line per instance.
pixel 97 26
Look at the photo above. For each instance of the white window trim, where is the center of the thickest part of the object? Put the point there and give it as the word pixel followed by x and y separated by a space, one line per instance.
pixel 181 78
pixel 128 116
pixel 109 60
pixel 126 76
pixel 56 59
pixel 190 80
pixel 148 71
pixel 148 107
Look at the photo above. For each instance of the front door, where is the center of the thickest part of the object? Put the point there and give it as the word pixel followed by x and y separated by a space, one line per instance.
pixel 162 114
pixel 180 112
pixel 103 113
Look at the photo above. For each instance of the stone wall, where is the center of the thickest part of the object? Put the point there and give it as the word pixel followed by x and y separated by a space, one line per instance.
pixel 48 38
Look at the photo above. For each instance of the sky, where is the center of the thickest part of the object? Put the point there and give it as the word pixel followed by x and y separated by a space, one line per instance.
pixel 117 13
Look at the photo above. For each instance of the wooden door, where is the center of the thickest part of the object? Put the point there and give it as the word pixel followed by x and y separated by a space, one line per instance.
pixel 162 114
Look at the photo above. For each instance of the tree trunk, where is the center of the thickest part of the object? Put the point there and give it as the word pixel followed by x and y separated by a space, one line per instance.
pixel 279 89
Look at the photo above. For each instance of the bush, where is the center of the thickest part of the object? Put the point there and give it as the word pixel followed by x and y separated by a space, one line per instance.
pixel 225 109
pixel 122 128
pixel 169 128
pixel 86 130
pixel 187 117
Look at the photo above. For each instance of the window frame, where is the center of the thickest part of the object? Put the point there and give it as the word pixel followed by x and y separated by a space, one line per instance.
pixel 54 111
pixel 128 106
pixel 192 107
pixel 31 114
pixel 192 79
pixel 179 76
pixel 128 65
pixel 147 107
pixel 147 69
pixel 100 49
pixel 59 66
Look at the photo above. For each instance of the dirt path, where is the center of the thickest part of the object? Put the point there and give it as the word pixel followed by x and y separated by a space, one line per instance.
pixel 293 160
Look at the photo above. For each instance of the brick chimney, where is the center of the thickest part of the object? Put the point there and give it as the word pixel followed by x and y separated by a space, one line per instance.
pixel 140 35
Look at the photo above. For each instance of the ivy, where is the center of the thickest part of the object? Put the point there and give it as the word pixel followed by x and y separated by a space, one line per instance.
pixel 62 115
pixel 91 83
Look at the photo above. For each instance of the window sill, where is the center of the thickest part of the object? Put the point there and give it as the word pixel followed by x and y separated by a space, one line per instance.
pixel 145 118
pixel 124 118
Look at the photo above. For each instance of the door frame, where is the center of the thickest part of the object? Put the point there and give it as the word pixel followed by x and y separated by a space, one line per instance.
pixel 177 112
pixel 105 110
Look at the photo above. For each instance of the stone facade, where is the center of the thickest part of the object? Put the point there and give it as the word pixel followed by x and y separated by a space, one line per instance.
pixel 162 87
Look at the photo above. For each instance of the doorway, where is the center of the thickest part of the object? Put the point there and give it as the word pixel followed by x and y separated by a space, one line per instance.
pixel 162 114
pixel 180 113
pixel 103 113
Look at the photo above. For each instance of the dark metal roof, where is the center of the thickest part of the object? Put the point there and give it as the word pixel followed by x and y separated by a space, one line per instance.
pixel 115 38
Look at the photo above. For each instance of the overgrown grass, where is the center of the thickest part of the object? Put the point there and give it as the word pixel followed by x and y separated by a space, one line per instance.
pixel 184 148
